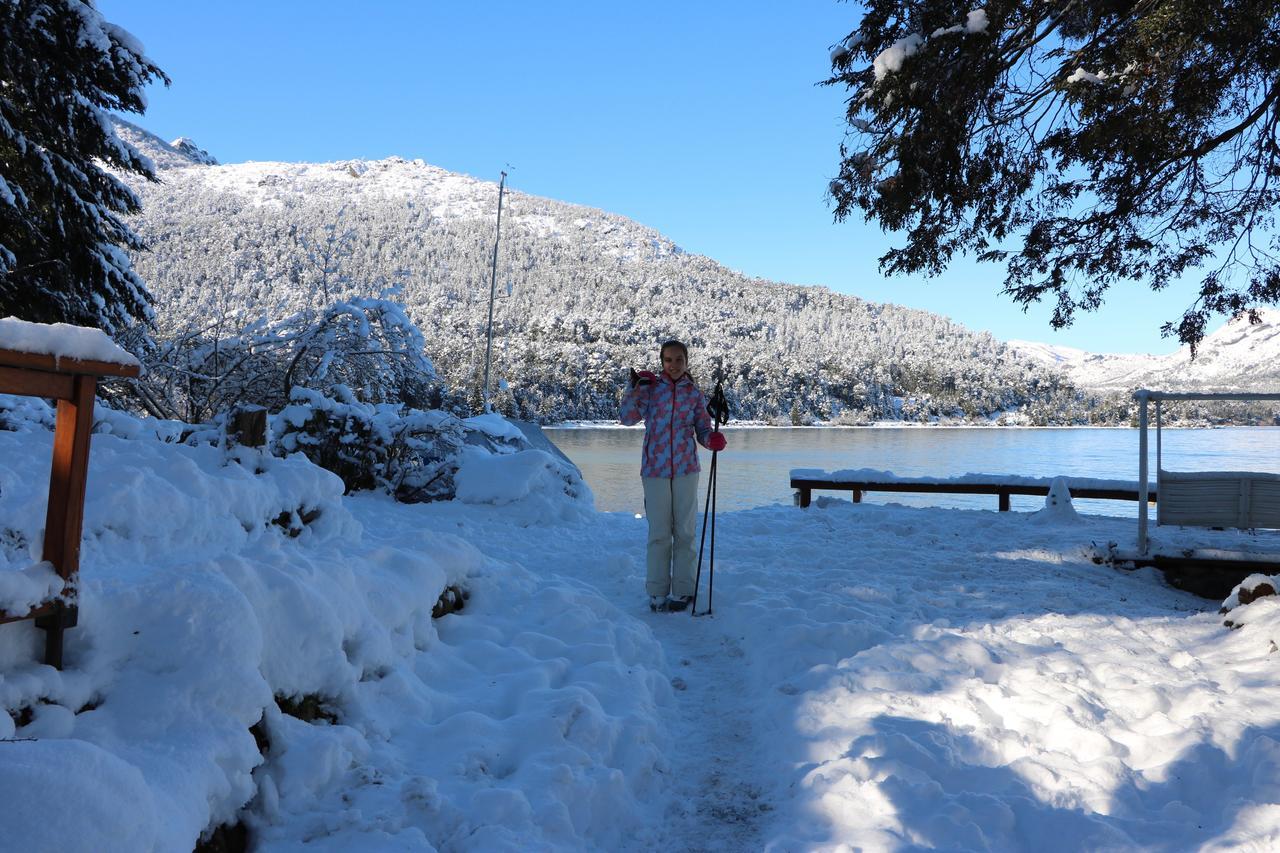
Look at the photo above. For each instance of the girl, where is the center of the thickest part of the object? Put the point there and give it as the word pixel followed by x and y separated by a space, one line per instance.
pixel 674 414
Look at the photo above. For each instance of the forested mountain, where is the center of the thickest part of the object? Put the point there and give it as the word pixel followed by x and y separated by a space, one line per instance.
pixel 593 293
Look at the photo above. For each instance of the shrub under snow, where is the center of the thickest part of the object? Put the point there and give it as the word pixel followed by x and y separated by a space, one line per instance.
pixel 416 455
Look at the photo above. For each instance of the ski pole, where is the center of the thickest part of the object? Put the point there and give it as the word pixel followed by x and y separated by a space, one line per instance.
pixel 697 578
pixel 718 408
pixel 711 561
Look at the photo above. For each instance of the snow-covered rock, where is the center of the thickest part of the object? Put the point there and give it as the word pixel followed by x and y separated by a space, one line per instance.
pixel 179 154
pixel 1249 590
pixel 188 147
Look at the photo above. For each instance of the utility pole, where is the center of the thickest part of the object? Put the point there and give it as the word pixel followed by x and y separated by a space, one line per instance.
pixel 493 288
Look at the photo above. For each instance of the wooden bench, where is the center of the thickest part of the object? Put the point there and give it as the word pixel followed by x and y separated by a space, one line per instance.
pixel 73 383
pixel 806 486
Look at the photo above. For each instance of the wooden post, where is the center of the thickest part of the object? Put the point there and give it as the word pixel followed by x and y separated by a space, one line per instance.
pixel 68 477
pixel 247 426
pixel 64 516
pixel 1004 501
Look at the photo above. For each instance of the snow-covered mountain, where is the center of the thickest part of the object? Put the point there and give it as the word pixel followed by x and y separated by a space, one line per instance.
pixel 1239 356
pixel 180 153
pixel 592 294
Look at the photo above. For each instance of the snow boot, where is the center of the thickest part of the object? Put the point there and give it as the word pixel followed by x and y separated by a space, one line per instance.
pixel 658 603
pixel 675 605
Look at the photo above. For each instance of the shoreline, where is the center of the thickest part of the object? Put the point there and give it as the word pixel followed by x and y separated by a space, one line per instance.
pixel 573 425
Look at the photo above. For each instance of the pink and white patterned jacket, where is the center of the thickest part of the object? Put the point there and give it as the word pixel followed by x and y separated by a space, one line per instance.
pixel 673 414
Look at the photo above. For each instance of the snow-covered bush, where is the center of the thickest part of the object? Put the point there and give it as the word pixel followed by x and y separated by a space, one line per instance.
pixel 23 414
pixel 367 345
pixel 424 458
pixel 33 414
pixel 419 456
pixel 198 367
pixel 344 436
pixel 411 454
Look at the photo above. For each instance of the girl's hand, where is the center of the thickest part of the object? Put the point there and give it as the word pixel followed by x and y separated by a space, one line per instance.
pixel 643 377
pixel 716 442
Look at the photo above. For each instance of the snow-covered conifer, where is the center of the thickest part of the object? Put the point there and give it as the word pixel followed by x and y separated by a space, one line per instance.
pixel 62 239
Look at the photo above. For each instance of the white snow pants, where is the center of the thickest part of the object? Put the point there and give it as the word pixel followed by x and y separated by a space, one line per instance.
pixel 671 505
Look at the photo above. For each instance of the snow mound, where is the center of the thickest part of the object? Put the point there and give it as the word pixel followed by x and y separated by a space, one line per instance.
pixel 533 483
pixel 495 426
pixel 196 608
pixel 111 795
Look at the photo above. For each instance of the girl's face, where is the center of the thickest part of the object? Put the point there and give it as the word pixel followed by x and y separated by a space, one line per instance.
pixel 674 363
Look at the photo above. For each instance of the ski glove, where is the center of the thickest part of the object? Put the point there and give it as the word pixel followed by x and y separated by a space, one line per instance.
pixel 715 441
pixel 643 377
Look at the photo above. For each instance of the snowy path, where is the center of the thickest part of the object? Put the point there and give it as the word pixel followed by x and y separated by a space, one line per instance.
pixel 718 801
pixel 715 768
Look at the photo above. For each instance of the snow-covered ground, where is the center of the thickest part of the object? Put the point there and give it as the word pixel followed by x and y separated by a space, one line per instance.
pixel 873 677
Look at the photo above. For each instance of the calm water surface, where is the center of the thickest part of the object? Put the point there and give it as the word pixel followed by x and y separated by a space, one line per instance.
pixel 756 468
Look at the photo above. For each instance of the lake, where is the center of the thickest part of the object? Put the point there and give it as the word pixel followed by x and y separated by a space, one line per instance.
pixel 756 468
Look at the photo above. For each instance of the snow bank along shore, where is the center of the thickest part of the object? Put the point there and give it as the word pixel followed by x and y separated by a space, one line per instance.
pixel 874 677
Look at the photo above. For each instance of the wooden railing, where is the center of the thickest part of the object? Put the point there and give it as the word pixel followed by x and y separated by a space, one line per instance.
pixel 806 486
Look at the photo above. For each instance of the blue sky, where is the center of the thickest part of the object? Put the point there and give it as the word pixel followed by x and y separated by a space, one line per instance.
pixel 699 119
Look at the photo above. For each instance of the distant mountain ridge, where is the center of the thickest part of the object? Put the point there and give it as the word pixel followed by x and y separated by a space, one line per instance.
pixel 1239 356
pixel 593 294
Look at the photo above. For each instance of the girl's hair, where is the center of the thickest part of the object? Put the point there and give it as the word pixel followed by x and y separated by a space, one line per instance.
pixel 673 343
pixel 684 349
